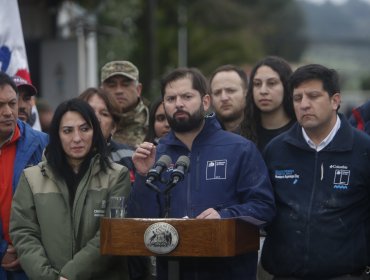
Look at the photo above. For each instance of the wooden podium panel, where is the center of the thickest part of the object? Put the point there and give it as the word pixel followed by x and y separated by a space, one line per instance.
pixel 197 237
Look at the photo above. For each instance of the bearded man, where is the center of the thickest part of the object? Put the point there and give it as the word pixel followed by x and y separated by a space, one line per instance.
pixel 227 176
pixel 229 84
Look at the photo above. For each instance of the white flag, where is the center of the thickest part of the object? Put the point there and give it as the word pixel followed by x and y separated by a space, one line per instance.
pixel 13 57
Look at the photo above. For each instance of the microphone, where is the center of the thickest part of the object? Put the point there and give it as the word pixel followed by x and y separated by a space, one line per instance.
pixel 177 175
pixel 181 166
pixel 161 165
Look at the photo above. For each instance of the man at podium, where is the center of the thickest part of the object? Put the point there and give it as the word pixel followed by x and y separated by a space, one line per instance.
pixel 224 176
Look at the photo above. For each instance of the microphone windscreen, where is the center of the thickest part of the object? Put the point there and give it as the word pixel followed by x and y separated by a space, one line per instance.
pixel 164 160
pixel 183 161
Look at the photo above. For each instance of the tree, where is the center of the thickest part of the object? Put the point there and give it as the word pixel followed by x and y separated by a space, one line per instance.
pixel 117 29
pixel 365 83
pixel 219 32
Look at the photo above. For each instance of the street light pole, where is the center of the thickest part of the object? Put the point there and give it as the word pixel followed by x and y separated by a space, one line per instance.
pixel 182 34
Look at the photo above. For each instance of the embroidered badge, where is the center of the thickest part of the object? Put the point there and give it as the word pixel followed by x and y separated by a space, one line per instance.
pixel 287 174
pixel 216 169
pixel 341 176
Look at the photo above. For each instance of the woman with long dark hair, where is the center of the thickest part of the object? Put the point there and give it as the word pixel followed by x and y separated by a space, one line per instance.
pixel 269 109
pixel 57 207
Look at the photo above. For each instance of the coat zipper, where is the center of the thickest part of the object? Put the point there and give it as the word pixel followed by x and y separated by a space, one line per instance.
pixel 309 212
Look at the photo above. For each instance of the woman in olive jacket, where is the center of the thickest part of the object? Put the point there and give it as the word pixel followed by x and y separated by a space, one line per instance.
pixel 57 207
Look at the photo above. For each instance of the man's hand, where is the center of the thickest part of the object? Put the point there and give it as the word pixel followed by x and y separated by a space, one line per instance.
pixel 210 213
pixel 144 157
pixel 10 260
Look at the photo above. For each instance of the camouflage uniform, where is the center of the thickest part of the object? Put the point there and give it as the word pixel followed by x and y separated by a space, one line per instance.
pixel 133 126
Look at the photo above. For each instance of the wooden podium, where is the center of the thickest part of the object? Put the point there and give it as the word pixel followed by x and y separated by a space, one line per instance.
pixel 196 237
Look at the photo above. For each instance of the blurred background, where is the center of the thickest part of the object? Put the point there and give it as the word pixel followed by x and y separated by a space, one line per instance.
pixel 67 42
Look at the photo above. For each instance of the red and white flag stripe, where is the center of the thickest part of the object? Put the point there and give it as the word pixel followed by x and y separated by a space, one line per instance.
pixel 13 57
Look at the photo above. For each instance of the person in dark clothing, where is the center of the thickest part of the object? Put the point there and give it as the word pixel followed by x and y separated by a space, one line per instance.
pixel 360 117
pixel 227 176
pixel 320 174
pixel 228 96
pixel 269 109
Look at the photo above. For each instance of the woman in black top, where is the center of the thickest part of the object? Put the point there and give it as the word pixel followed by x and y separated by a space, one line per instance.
pixel 269 109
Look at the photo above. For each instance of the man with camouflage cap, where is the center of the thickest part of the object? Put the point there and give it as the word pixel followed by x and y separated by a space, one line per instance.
pixel 121 79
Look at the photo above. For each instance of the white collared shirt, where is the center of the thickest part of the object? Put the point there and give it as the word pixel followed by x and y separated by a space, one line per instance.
pixel 327 139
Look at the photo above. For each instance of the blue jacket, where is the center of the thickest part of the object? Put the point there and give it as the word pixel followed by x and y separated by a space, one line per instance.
pixel 323 205
pixel 226 173
pixel 360 117
pixel 30 147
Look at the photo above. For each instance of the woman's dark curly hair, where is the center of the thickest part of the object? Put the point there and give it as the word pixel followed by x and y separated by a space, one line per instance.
pixel 252 114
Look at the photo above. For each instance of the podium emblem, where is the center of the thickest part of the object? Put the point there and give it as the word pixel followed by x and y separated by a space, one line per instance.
pixel 161 238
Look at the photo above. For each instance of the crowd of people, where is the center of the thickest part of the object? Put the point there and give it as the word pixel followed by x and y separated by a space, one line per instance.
pixel 270 144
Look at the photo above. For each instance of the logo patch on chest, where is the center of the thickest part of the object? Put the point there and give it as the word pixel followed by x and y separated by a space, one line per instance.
pixel 216 169
pixel 287 174
pixel 341 179
pixel 341 176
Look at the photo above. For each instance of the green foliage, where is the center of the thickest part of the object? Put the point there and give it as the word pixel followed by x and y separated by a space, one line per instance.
pixel 117 29
pixel 285 37
pixel 218 32
pixel 220 35
pixel 365 83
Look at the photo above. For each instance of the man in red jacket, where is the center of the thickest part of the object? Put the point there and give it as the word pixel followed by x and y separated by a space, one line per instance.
pixel 20 146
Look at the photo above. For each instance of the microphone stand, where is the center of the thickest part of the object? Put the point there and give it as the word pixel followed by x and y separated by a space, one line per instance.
pixel 152 186
pixel 167 198
pixel 166 193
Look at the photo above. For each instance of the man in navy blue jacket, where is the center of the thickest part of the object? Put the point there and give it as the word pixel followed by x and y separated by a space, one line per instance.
pixel 227 176
pixel 320 172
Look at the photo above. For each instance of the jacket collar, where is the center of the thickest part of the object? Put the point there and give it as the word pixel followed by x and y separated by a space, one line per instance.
pixel 342 141
pixel 47 171
pixel 211 126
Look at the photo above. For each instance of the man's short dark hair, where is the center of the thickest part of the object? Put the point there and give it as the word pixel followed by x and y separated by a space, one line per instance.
pixel 5 79
pixel 232 68
pixel 199 81
pixel 329 77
